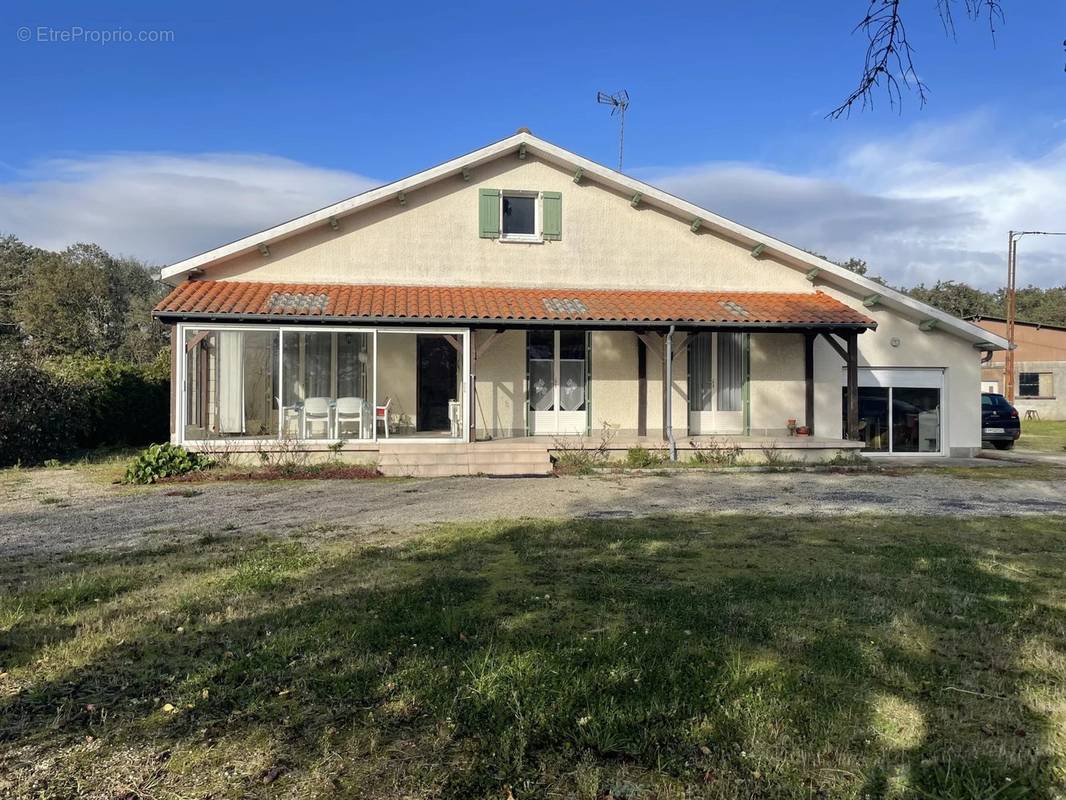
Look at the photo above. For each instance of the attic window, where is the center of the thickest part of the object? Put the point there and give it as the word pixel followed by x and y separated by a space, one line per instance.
pixel 735 308
pixel 297 302
pixel 561 305
pixel 519 216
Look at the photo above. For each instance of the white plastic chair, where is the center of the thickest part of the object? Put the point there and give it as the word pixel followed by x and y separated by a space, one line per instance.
pixel 316 410
pixel 381 414
pixel 349 410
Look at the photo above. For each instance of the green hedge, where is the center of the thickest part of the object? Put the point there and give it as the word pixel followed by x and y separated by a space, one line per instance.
pixel 62 405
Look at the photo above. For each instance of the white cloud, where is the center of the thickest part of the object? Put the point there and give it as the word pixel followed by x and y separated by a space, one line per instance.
pixel 933 204
pixel 160 207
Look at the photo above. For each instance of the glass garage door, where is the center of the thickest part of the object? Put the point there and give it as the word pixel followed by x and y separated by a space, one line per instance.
pixel 900 410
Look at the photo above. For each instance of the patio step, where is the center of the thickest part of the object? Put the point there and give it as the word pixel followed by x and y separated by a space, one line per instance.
pixel 438 460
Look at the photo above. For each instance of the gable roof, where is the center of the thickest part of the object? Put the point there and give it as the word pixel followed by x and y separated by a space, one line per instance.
pixel 828 272
pixel 506 306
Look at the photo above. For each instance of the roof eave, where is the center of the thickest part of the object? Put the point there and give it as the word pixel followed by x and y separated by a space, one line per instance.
pixel 496 322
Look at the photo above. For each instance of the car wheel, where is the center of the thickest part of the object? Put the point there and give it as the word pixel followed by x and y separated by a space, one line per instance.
pixel 1009 445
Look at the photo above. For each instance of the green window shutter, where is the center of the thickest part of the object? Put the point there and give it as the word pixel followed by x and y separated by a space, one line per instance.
pixel 553 215
pixel 489 213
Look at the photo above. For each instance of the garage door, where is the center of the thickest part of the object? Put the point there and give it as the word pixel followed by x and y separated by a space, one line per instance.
pixel 899 410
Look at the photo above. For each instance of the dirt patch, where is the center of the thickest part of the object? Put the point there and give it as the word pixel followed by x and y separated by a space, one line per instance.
pixel 53 511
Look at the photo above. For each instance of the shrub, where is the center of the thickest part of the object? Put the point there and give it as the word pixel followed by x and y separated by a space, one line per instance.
pixel 36 419
pixel 719 454
pixel 575 457
pixel 119 403
pixel 164 461
pixel 642 457
pixel 62 405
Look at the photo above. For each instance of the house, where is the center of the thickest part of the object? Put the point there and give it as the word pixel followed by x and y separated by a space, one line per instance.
pixel 1039 366
pixel 486 311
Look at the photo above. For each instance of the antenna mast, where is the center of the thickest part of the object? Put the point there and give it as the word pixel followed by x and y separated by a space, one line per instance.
pixel 619 102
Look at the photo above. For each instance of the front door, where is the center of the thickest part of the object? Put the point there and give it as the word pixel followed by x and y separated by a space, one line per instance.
pixel 716 383
pixel 557 396
pixel 437 367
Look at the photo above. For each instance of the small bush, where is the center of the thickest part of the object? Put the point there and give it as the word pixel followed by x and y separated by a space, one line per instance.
pixel 642 457
pixel 847 458
pixel 719 454
pixel 164 461
pixel 574 457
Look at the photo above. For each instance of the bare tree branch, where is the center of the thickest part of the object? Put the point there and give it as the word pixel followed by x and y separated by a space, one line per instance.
pixel 890 57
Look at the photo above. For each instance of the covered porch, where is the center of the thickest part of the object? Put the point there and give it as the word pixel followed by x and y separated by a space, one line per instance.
pixel 375 368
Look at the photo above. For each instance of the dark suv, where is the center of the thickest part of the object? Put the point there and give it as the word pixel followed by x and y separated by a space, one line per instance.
pixel 1000 424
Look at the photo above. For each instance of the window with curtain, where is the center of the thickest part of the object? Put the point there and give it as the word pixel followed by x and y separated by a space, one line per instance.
pixel 730 371
pixel 572 370
pixel 700 383
pixel 230 383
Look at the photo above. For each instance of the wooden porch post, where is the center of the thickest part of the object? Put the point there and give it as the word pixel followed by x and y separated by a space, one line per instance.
pixel 808 377
pixel 853 385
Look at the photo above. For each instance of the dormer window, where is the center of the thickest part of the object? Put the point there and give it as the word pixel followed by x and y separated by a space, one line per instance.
pixel 519 216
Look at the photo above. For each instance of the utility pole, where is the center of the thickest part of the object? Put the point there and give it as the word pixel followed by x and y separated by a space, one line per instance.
pixel 1012 303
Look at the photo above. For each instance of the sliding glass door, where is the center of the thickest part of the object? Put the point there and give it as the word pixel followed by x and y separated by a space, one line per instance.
pixel 325 371
pixel 899 410
pixel 333 384
pixel 230 380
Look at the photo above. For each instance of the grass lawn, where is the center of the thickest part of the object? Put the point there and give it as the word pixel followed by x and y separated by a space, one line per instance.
pixel 664 658
pixel 1047 436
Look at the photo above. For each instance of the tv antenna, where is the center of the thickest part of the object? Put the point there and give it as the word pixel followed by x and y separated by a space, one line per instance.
pixel 619 102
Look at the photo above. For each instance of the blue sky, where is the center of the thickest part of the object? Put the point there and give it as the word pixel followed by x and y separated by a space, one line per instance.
pixel 252 113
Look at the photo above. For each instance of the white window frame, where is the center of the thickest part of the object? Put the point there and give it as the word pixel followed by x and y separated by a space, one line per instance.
pixel 538 217
pixel 464 410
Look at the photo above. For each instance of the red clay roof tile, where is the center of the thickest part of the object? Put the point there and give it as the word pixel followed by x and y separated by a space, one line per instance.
pixel 503 304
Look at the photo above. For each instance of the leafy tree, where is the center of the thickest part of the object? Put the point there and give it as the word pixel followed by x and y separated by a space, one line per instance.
pixel 15 258
pixel 84 301
pixel 1042 305
pixel 959 299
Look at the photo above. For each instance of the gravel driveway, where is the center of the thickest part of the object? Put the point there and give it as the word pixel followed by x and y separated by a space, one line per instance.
pixel 53 511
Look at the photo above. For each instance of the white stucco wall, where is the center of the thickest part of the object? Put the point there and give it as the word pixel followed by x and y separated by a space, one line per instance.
pixel 434 240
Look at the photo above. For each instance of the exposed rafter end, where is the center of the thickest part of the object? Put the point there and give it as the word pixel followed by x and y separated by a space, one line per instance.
pixel 334 224
pixel 871 300
pixel 579 175
pixel 635 199
pixel 402 198
pixel 928 324
pixel 466 173
pixel 756 251
pixel 522 152
pixel 813 273
pixel 264 249
pixel 695 226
